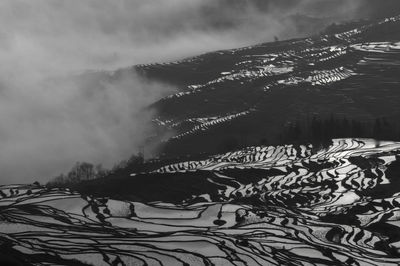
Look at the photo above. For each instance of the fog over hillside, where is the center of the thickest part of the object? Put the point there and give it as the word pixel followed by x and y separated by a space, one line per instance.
pixel 51 119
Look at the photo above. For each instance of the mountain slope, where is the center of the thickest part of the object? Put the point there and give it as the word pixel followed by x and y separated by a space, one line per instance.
pixel 286 204
pixel 254 93
pixel 281 205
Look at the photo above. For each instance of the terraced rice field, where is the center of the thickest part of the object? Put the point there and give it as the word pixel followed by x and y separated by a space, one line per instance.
pixel 341 73
pixel 283 205
pixel 260 205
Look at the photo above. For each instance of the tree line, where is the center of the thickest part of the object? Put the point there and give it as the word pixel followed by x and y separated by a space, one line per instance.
pixel 323 130
pixel 318 131
pixel 84 171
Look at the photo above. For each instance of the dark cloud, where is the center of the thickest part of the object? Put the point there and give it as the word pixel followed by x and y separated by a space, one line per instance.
pixel 50 119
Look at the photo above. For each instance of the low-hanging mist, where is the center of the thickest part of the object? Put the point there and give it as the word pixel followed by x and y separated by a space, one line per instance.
pixel 51 116
pixel 94 117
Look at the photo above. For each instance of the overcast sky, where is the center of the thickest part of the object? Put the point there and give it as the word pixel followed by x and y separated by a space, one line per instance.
pixel 46 126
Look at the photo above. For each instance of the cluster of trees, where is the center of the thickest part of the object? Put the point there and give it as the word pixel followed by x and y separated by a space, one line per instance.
pixel 83 171
pixel 320 130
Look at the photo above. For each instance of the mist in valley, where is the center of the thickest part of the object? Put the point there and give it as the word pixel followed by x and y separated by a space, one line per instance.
pixel 53 112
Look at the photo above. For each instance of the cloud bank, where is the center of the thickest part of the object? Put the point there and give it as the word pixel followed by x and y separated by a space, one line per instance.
pixel 51 118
